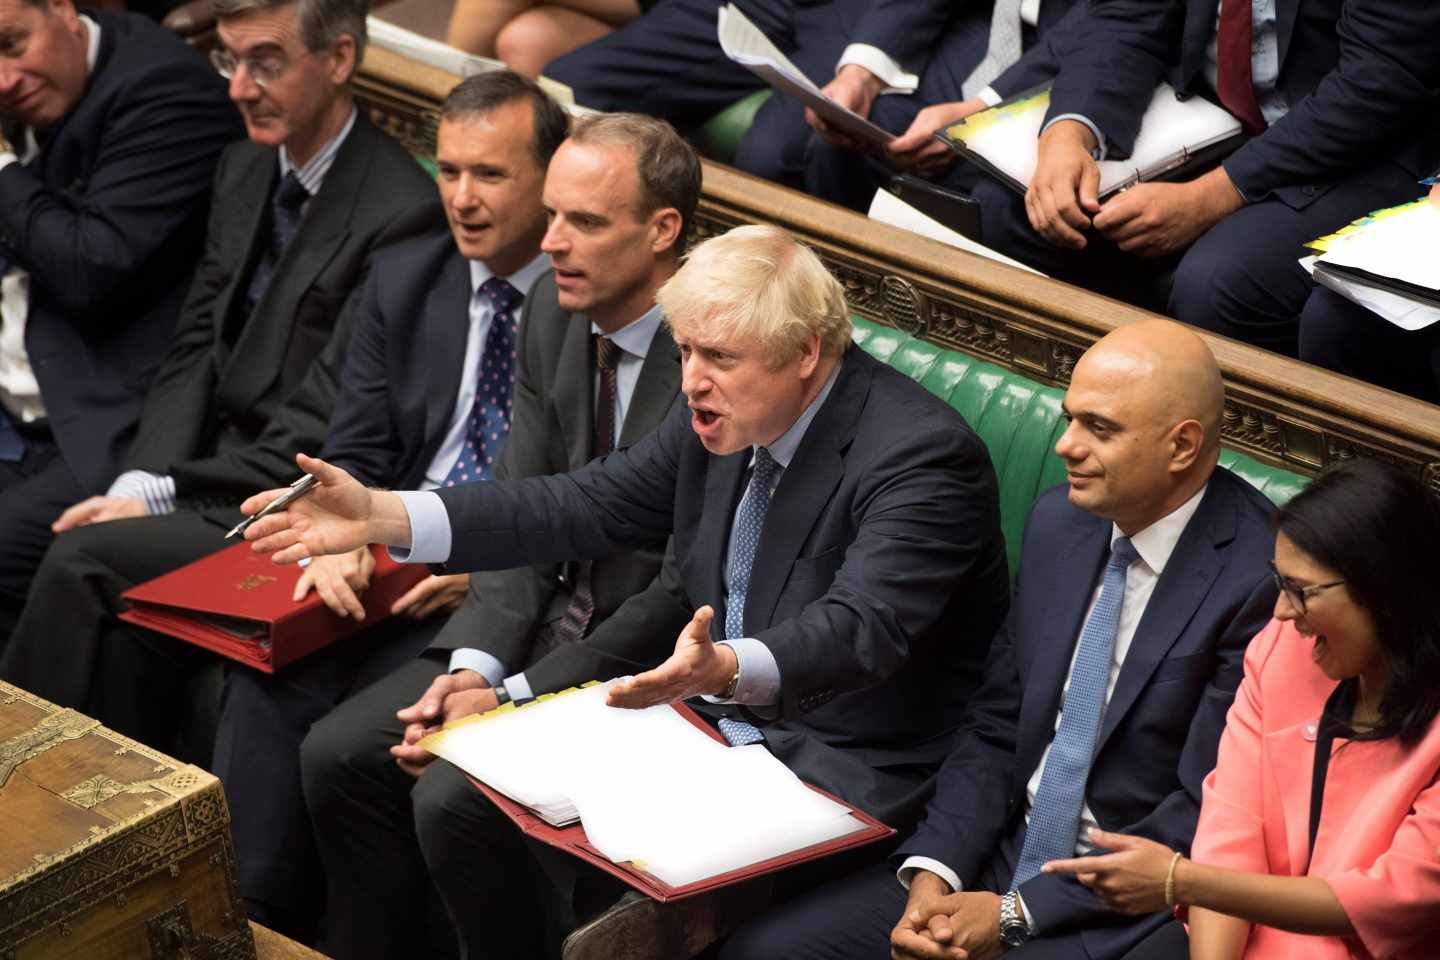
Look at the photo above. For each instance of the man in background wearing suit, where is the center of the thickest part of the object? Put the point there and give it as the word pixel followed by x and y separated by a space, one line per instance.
pixel 424 400
pixel 1140 585
pixel 299 207
pixel 851 630
pixel 596 371
pixel 1338 96
pixel 110 128
pixel 668 63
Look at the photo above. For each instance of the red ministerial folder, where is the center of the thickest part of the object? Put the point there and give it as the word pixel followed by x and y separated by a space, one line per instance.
pixel 238 603
pixel 572 840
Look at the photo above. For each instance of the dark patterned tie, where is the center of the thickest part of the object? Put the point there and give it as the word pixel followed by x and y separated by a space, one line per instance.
pixel 749 524
pixel 285 209
pixel 572 624
pixel 489 422
pixel 1233 80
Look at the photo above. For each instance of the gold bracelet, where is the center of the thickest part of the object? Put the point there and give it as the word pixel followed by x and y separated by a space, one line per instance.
pixel 1170 880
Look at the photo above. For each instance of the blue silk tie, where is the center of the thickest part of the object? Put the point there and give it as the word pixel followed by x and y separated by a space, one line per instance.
pixel 749 522
pixel 1055 818
pixel 489 422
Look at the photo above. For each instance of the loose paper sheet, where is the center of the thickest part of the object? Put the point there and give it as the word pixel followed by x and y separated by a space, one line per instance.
pixel 888 208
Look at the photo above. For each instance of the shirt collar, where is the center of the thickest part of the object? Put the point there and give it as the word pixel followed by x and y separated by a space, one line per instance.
pixel 312 174
pixel 1156 542
pixel 783 449
pixel 92 43
pixel 635 337
pixel 522 280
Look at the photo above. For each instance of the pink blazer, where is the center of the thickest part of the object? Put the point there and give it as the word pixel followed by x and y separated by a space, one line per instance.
pixel 1378 845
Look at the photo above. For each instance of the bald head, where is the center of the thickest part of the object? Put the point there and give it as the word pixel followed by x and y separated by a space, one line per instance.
pixel 1146 403
pixel 1170 369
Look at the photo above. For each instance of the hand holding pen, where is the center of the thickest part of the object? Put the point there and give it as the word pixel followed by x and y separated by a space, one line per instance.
pixel 335 514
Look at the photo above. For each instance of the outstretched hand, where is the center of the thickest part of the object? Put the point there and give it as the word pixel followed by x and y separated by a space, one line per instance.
pixel 335 517
pixel 1130 878
pixel 698 666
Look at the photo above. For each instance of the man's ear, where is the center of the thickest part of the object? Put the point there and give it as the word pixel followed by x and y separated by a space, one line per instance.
pixel 343 64
pixel 1187 439
pixel 666 224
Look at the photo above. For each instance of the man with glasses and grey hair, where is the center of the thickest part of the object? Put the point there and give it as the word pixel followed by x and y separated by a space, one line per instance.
pixel 110 128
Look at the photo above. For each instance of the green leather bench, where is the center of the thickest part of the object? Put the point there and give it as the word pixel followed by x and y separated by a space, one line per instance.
pixel 1019 420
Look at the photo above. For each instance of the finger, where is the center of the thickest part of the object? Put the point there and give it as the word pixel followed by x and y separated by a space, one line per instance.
pixel 1117 210
pixel 699 625
pixel 303 585
pixel 1090 187
pixel 940 927
pixel 411 597
pixel 814 121
pixel 1114 841
pixel 1058 229
pixel 326 590
pixel 913 945
pixel 430 702
pixel 73 516
pixel 328 475
pixel 1087 879
pixel 259 501
pixel 429 605
pixel 641 692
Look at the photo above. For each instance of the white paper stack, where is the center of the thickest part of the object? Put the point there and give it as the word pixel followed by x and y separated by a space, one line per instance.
pixel 1378 255
pixel 888 208
pixel 388 36
pixel 747 45
pixel 1173 132
pixel 647 785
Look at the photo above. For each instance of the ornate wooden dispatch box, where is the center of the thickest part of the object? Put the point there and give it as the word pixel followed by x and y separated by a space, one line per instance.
pixel 108 849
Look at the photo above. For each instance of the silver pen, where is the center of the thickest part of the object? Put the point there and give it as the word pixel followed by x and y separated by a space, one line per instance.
pixel 297 490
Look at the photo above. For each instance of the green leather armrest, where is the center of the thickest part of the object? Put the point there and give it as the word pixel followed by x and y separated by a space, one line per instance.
pixel 1019 420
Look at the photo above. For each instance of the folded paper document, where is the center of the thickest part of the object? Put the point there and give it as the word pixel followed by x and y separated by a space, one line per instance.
pixel 744 43
pixel 653 796
pixel 238 603
pixel 1177 138
pixel 1386 262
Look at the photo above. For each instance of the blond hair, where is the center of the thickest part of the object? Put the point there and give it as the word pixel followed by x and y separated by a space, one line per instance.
pixel 757 283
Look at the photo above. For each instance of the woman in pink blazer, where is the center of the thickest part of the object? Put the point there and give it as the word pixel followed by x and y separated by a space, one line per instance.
pixel 1319 834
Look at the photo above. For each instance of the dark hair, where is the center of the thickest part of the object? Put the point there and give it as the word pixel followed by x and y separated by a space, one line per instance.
pixel 322 22
pixel 668 167
pixel 484 92
pixel 1378 527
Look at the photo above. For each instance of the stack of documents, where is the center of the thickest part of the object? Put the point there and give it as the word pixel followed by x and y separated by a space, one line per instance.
pixel 1177 138
pixel 649 786
pixel 1387 263
pixel 410 44
pixel 744 43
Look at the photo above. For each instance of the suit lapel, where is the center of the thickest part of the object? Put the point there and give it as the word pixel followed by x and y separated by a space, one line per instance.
pixel 446 325
pixel 1285 13
pixel 805 489
pixel 655 390
pixel 250 219
pixel 1080 556
pixel 1193 567
pixel 575 390
pixel 322 233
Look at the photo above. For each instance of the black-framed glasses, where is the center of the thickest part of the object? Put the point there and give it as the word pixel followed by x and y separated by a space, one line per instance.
pixel 263 70
pixel 1297 594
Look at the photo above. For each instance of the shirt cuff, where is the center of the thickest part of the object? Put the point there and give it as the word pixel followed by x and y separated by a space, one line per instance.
pixel 879 62
pixel 157 492
pixel 8 157
pixel 489 667
pixel 759 682
pixel 1099 152
pixel 906 873
pixel 1029 917
pixel 519 687
pixel 429 528
pixel 989 97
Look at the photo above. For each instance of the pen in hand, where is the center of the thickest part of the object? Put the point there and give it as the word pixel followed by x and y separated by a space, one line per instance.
pixel 297 490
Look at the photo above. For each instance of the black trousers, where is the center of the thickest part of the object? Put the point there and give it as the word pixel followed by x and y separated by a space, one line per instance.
pixel 1240 279
pixel 1349 339
pixel 263 719
pixel 68 645
pixel 34 491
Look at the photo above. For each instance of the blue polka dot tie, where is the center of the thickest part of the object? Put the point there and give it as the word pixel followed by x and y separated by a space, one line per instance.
pixel 1055 818
pixel 749 522
pixel 489 422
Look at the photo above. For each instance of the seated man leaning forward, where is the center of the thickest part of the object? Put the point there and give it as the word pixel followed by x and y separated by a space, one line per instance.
pixel 851 630
pixel 1140 583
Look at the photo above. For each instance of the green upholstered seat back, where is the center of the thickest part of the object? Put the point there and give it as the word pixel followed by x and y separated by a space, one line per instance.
pixel 719 137
pixel 1019 420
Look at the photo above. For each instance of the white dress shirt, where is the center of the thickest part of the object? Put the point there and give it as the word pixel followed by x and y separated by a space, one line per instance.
pixel 1154 544
pixel 157 491
pixel 19 391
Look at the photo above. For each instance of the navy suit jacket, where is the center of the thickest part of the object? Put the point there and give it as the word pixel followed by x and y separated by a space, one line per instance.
pixel 1361 78
pixel 109 219
pixel 878 582
pixel 1161 729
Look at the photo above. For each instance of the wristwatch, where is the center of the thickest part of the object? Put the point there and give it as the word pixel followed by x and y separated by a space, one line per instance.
pixel 1014 931
pixel 502 696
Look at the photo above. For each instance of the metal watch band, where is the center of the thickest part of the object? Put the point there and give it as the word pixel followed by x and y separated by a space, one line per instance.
pixel 1013 930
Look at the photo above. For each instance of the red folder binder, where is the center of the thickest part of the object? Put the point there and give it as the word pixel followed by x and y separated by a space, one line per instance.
pixel 572 840
pixel 238 604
